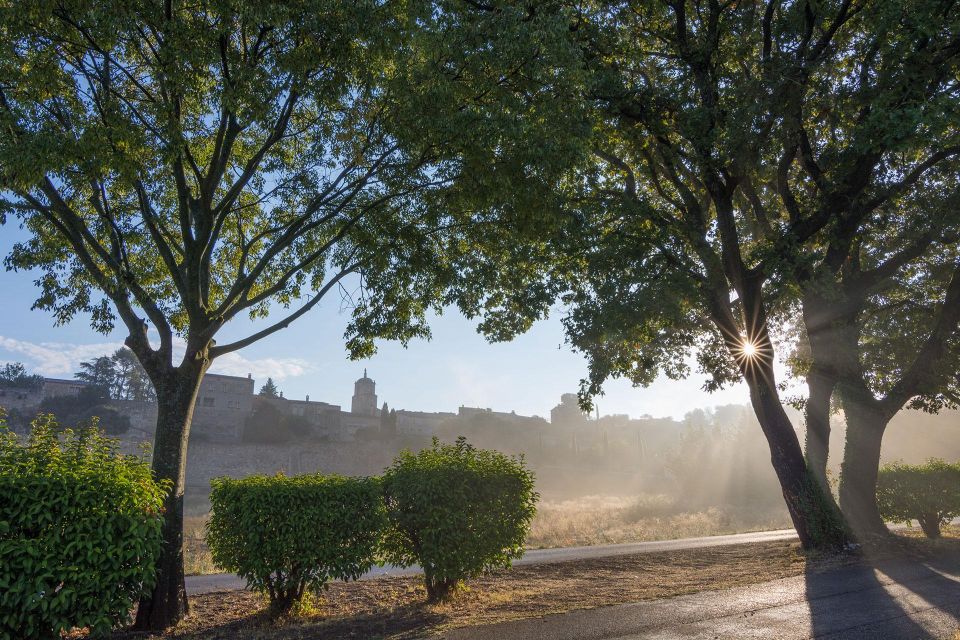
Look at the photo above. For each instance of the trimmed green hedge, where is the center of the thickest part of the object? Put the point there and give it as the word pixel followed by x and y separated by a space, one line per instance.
pixel 456 511
pixel 290 535
pixel 79 531
pixel 928 493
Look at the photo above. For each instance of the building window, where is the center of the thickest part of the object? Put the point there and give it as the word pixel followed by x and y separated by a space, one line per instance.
pixel 209 402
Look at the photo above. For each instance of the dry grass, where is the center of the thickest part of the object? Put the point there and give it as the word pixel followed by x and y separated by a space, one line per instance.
pixel 196 556
pixel 609 520
pixel 394 607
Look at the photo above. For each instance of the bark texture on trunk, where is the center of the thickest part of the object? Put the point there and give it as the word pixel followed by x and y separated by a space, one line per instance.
pixel 866 424
pixel 817 417
pixel 176 397
pixel 818 524
pixel 930 524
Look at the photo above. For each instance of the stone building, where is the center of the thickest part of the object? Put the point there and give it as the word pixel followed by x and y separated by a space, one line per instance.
pixel 27 400
pixel 568 413
pixel 223 405
pixel 420 423
pixel 364 397
pixel 20 399
pixel 324 418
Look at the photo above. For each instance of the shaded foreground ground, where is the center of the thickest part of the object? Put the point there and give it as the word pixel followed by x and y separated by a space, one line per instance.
pixel 891 598
pixel 392 607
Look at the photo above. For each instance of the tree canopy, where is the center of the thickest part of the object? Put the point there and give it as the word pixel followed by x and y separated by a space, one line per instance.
pixel 178 166
pixel 13 375
pixel 269 389
pixel 736 152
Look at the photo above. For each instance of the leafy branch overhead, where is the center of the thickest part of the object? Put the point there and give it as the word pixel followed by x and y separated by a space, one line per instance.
pixel 196 165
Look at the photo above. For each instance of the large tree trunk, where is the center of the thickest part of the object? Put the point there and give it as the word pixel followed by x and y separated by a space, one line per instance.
pixel 827 320
pixel 817 417
pixel 814 516
pixel 866 424
pixel 176 396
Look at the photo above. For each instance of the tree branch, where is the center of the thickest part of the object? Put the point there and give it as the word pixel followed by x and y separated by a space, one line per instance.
pixel 217 351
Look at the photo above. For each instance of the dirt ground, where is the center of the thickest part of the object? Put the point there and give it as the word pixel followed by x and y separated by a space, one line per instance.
pixel 395 608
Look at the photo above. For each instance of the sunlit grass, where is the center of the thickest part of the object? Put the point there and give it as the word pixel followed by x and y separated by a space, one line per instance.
pixel 595 520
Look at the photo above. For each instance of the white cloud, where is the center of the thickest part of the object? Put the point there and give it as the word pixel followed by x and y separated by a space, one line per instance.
pixel 54 358
pixel 63 359
pixel 234 364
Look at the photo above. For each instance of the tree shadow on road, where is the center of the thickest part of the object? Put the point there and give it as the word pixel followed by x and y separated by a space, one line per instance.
pixel 874 597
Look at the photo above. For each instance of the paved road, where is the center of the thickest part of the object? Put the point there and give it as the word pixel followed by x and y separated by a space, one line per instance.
pixel 230 582
pixel 889 600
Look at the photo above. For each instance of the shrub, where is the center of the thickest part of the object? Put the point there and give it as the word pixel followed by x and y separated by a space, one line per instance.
pixel 79 531
pixel 457 511
pixel 928 493
pixel 290 535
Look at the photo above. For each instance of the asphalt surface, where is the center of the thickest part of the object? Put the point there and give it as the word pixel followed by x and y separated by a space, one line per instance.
pixel 891 600
pixel 230 582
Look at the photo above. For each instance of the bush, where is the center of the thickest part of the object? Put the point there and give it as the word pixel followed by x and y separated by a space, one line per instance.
pixel 79 531
pixel 928 493
pixel 290 535
pixel 456 511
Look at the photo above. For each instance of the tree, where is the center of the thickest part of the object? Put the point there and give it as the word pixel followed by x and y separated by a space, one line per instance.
pixel 723 165
pixel 120 376
pixel 269 389
pixel 875 149
pixel 131 381
pixel 14 375
pixel 892 341
pixel 669 246
pixel 99 373
pixel 179 166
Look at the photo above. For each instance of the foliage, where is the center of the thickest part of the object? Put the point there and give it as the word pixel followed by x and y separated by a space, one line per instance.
pixel 79 531
pixel 928 493
pixel 130 380
pixel 734 155
pixel 176 166
pixel 14 375
pixel 456 511
pixel 120 376
pixel 269 389
pixel 90 404
pixel 290 535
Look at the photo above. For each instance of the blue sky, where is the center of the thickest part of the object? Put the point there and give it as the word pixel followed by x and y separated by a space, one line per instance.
pixel 456 367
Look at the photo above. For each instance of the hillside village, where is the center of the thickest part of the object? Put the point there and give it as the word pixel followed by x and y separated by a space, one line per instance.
pixel 226 405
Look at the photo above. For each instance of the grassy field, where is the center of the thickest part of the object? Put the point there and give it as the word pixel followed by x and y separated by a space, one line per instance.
pixel 586 521
pixel 610 520
pixel 394 607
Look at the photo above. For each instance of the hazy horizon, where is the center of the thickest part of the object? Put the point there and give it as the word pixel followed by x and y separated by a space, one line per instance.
pixel 457 367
